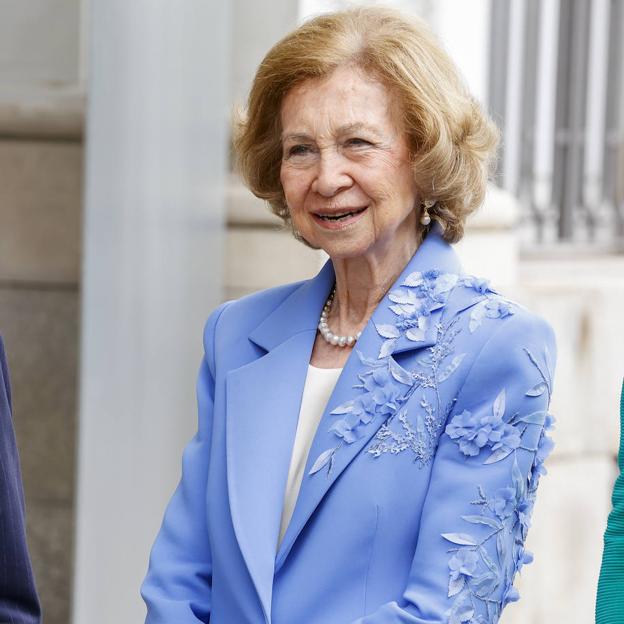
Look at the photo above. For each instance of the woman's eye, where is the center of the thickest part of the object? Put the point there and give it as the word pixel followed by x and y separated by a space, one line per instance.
pixel 357 142
pixel 298 150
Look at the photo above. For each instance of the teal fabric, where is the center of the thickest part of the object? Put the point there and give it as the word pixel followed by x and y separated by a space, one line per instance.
pixel 610 600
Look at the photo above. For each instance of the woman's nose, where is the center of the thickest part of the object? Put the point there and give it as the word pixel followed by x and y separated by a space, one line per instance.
pixel 331 175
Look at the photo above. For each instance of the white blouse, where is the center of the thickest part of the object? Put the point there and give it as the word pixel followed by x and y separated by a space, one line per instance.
pixel 318 387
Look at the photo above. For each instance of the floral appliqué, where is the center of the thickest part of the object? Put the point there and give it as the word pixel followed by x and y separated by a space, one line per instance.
pixel 474 575
pixel 491 304
pixel 385 386
pixel 421 437
pixel 413 302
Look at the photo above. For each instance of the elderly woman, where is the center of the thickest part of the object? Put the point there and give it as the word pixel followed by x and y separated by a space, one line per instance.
pixel 370 440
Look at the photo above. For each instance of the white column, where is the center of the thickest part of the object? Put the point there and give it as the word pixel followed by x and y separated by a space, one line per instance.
pixel 596 107
pixel 546 98
pixel 158 108
pixel 513 126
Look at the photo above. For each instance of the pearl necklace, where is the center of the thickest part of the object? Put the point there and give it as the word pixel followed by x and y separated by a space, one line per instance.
pixel 330 337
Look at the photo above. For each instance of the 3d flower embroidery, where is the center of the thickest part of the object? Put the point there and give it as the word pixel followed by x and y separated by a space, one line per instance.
pixel 463 565
pixel 381 391
pixel 507 513
pixel 472 432
pixel 501 516
pixel 493 306
pixel 386 386
pixel 503 503
pixel 382 396
pixel 545 446
pixel 413 302
pixel 420 434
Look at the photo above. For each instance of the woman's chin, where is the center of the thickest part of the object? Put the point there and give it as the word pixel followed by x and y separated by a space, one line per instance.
pixel 346 249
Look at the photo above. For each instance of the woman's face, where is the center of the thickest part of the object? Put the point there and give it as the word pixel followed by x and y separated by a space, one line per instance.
pixel 345 166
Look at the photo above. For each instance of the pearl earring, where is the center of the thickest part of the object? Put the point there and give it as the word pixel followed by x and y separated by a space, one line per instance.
pixel 425 219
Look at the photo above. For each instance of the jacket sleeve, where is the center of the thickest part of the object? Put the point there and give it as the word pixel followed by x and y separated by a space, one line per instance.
pixel 483 483
pixel 177 587
pixel 19 602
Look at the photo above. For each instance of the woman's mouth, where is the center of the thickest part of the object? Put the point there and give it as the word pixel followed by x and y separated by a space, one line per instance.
pixel 339 219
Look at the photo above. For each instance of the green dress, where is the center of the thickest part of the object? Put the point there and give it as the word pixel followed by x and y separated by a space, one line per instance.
pixel 610 600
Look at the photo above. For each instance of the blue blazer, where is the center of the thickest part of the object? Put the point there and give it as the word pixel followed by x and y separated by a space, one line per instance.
pixel 421 478
pixel 19 603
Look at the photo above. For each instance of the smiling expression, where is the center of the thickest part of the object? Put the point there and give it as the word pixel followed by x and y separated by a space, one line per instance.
pixel 345 170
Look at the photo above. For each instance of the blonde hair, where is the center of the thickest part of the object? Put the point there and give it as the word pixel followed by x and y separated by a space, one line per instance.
pixel 452 140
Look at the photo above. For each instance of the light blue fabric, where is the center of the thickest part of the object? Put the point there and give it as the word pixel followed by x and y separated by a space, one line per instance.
pixel 420 481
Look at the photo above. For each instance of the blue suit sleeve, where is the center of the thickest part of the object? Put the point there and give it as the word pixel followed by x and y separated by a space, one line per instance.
pixel 19 602
pixel 483 484
pixel 177 587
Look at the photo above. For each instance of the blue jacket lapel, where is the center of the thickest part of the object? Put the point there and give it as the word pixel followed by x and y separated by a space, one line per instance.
pixel 263 401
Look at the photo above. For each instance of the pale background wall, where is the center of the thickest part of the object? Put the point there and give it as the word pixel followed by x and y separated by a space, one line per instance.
pixel 85 243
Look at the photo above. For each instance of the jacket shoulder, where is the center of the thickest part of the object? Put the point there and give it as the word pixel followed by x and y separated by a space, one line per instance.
pixel 239 316
pixel 489 315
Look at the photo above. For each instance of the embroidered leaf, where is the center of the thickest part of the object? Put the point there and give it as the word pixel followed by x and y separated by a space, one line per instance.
pixel 536 418
pixel 387 331
pixel 538 389
pixel 498 454
pixel 546 380
pixel 518 480
pixel 413 279
pixel 416 334
pixel 499 405
pixel 485 584
pixel 463 539
pixel 370 362
pixel 476 316
pixel 403 296
pixel 444 283
pixel 322 460
pixel 399 373
pixel 387 347
pixel 548 361
pixel 500 547
pixel 450 369
pixel 398 309
pixel 488 561
pixel 456 585
pixel 345 408
pixel 492 522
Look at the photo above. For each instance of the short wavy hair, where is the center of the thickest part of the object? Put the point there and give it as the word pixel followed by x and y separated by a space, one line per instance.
pixel 452 140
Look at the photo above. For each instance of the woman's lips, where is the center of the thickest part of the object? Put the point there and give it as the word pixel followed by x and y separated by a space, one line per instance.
pixel 339 220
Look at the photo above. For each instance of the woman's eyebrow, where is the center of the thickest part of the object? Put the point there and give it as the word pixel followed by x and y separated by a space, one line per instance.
pixel 345 129
pixel 296 136
pixel 357 127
